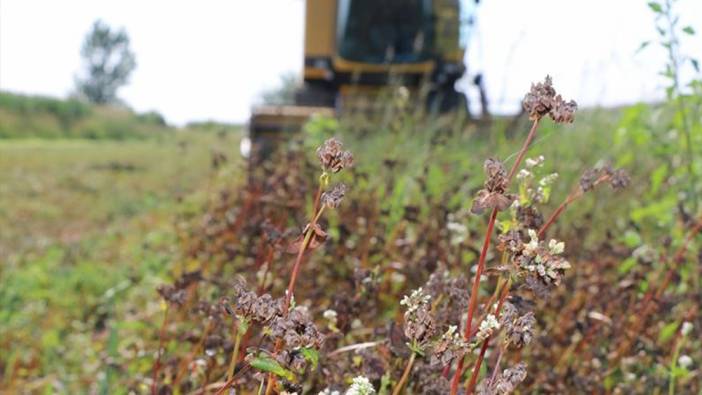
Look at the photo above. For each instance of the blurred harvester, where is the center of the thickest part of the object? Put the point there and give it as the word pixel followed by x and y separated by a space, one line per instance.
pixel 354 48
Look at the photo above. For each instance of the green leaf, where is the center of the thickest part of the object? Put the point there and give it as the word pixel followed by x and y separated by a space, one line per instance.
pixel 667 332
pixel 270 365
pixel 631 239
pixel 689 30
pixel 678 371
pixel 657 177
pixel 655 7
pixel 695 64
pixel 626 265
pixel 311 355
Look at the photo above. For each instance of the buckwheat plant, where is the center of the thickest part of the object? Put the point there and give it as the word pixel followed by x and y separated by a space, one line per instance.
pixel 525 256
pixel 332 159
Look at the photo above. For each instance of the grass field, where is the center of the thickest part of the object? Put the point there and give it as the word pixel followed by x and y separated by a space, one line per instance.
pixel 85 224
pixel 63 191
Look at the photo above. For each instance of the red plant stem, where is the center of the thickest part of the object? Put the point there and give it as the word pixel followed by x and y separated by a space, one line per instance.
pixel 483 254
pixel 293 277
pixel 523 151
pixel 298 261
pixel 573 196
pixel 486 343
pixel 557 213
pixel 473 299
pixel 157 364
pixel 476 367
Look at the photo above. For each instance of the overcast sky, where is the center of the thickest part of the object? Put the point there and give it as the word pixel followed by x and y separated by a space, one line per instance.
pixel 210 59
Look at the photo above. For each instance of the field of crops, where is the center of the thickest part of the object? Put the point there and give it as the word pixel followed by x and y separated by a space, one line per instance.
pixel 142 265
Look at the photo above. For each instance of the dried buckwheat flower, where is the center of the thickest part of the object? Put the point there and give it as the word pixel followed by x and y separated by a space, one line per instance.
pixel 172 294
pixel 449 347
pixel 542 100
pixel 419 323
pixel 332 156
pixel 519 331
pixel 493 195
pixel 297 329
pixel 505 383
pixel 619 179
pixel 587 180
pixel 332 198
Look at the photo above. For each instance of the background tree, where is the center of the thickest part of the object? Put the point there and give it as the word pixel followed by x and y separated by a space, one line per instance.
pixel 108 62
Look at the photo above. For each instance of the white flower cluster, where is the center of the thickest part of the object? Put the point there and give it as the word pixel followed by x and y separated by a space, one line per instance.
pixel 531 163
pixel 360 386
pixel 330 315
pixel 686 328
pixel 548 180
pixel 544 261
pixel 487 327
pixel 415 300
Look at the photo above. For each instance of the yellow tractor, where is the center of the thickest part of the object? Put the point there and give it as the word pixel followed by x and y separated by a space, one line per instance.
pixel 353 48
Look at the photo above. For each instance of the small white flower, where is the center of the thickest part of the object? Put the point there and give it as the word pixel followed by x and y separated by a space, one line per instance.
pixel 548 180
pixel 452 334
pixel 685 361
pixel 415 299
pixel 330 315
pixel 686 328
pixel 360 386
pixel 534 162
pixel 327 391
pixel 488 325
pixel 556 247
pixel 531 247
pixel 523 174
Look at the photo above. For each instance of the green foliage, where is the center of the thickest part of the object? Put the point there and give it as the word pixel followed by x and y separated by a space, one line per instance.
pixel 43 117
pixel 265 363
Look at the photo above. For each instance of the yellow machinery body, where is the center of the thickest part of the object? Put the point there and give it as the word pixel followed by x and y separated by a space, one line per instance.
pixel 357 47
pixel 363 45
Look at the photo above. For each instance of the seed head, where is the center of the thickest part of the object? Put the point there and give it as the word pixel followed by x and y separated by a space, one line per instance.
pixel 619 179
pixel 587 180
pixel 332 198
pixel 542 100
pixel 419 322
pixel 493 195
pixel 519 330
pixel 297 329
pixel 172 295
pixel 449 347
pixel 332 156
pixel 505 383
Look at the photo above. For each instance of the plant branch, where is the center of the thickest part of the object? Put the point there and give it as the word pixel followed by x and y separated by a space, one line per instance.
pixel 483 255
pixel 405 375
pixel 157 364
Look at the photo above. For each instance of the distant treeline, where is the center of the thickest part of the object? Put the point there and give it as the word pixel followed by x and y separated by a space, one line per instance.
pixel 45 117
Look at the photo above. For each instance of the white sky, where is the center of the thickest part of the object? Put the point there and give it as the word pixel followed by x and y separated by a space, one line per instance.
pixel 210 59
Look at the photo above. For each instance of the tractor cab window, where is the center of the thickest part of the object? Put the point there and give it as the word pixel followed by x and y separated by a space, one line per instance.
pixel 390 31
